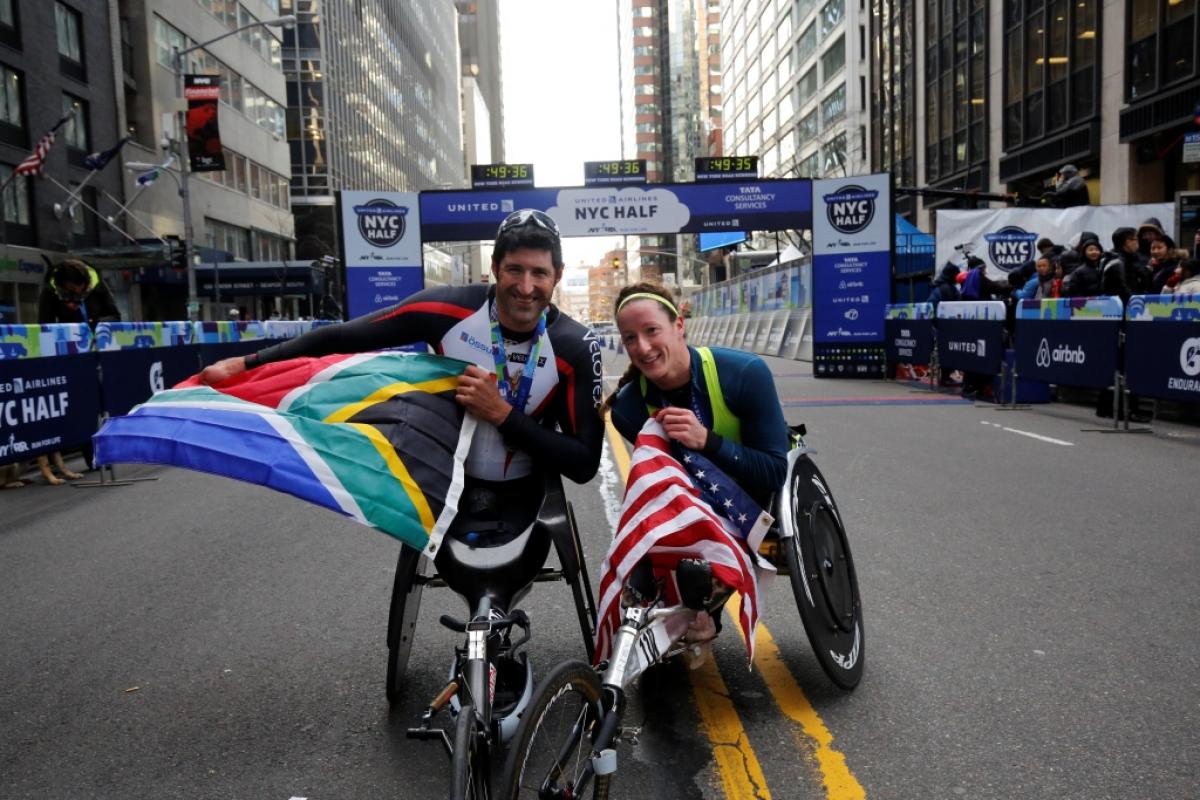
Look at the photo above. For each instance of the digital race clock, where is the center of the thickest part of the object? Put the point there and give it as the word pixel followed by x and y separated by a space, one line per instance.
pixel 610 173
pixel 484 176
pixel 726 168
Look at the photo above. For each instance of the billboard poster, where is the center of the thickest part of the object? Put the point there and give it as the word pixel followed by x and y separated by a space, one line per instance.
pixel 1006 238
pixel 203 135
pixel 852 251
pixel 381 248
pixel 455 216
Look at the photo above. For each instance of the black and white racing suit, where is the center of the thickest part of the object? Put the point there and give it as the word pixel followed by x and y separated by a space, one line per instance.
pixel 559 430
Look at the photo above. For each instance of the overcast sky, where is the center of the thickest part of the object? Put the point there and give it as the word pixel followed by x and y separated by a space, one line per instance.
pixel 561 95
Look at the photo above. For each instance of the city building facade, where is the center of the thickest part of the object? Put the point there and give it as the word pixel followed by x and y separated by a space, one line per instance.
pixel 671 105
pixel 795 85
pixel 241 213
pixel 604 281
pixel 997 96
pixel 373 102
pixel 57 56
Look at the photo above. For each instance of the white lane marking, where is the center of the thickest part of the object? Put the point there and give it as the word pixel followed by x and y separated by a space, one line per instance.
pixel 612 488
pixel 1031 435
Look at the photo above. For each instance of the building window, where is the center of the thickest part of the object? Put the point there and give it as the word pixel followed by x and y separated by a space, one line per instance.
pixel 10 101
pixel 831 16
pixel 807 43
pixel 807 168
pixel 16 197
pixel 75 132
pixel 807 85
pixel 833 59
pixel 833 107
pixel 66 26
pixel 956 86
pixel 1162 45
pixel 806 129
pixel 10 28
pixel 834 155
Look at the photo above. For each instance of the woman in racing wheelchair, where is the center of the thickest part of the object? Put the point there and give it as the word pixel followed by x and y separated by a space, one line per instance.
pixel 718 402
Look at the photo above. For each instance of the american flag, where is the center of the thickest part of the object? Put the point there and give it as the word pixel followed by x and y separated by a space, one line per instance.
pixel 666 516
pixel 36 161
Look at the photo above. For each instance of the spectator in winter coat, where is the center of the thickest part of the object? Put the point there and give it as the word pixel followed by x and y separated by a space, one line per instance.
pixel 1163 260
pixel 1043 285
pixel 1081 269
pixel 1123 273
pixel 1022 274
pixel 945 286
pixel 1188 274
pixel 1147 232
pixel 978 286
pixel 1069 189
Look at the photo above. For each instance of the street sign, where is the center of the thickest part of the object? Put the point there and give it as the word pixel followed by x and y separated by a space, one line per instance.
pixel 1191 148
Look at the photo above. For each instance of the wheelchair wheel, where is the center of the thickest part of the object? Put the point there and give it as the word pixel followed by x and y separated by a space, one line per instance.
pixel 402 619
pixel 581 590
pixel 822 574
pixel 469 763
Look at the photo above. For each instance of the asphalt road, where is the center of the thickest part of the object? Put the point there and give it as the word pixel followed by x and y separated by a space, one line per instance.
pixel 1029 596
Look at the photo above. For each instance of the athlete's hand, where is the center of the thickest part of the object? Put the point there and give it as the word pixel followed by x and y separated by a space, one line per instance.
pixel 682 426
pixel 223 370
pixel 478 393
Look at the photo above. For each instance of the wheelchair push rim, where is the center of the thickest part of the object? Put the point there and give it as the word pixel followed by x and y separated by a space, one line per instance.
pixel 822 574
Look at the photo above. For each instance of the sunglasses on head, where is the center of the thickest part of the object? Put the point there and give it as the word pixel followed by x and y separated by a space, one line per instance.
pixel 526 217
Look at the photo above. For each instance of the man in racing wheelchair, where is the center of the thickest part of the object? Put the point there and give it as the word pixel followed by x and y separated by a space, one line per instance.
pixel 534 385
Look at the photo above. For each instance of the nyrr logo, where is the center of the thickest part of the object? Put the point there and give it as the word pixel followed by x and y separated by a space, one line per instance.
pixel 851 208
pixel 381 222
pixel 1010 247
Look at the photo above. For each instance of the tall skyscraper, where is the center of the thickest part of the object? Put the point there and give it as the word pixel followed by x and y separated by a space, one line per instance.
pixel 671 106
pixel 373 102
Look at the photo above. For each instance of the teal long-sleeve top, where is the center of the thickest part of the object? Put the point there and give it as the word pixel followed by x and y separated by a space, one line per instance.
pixel 759 462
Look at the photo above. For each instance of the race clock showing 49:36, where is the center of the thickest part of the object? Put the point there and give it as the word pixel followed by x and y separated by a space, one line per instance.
pixel 487 176
pixel 614 173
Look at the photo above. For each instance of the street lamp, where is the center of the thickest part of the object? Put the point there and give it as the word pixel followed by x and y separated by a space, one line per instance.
pixel 286 21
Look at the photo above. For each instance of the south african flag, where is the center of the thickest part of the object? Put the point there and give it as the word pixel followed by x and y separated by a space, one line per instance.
pixel 375 436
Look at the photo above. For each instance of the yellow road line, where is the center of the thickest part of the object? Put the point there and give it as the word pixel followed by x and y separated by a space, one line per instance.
pixel 740 771
pixel 839 781
pixel 741 774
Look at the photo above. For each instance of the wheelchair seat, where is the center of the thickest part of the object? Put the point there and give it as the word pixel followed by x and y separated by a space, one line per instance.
pixel 496 545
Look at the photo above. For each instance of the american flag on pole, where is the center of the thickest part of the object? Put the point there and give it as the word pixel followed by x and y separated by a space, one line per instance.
pixel 670 512
pixel 35 162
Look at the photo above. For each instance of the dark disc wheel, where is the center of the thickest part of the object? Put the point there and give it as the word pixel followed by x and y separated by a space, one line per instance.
pixel 402 619
pixel 550 753
pixel 822 575
pixel 469 765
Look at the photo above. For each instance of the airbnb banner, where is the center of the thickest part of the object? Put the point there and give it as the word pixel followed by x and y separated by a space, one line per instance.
pixel 1069 341
pixel 204 137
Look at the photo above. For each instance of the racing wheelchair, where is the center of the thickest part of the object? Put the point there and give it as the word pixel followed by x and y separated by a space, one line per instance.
pixel 568 737
pixel 490 556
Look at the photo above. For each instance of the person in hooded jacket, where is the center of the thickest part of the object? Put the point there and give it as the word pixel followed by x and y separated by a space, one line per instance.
pixel 1187 278
pixel 1043 285
pixel 945 286
pixel 1123 272
pixel 75 292
pixel 1147 232
pixel 1069 189
pixel 1081 268
pixel 1164 257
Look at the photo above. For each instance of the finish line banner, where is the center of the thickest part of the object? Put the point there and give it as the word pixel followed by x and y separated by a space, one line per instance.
pixel 381 248
pixel 1006 238
pixel 457 216
pixel 852 252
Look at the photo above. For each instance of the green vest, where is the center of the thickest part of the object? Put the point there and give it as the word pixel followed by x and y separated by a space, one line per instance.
pixel 724 422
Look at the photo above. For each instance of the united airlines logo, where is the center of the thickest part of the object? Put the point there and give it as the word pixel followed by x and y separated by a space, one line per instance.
pixel 1010 247
pixel 851 208
pixel 381 222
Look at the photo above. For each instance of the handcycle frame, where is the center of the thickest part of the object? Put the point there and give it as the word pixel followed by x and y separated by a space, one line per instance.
pixel 492 580
pixel 808 543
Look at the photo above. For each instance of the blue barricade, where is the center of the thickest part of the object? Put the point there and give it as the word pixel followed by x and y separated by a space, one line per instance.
pixel 138 359
pixel 1162 347
pixel 1069 341
pixel 908 333
pixel 970 335
pixel 49 395
pixel 218 340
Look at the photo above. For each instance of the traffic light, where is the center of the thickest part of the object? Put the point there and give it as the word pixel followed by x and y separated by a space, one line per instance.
pixel 178 256
pixel 616 262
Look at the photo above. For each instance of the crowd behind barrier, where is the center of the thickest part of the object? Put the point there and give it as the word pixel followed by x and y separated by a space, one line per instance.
pixel 1073 342
pixel 768 311
pixel 57 380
